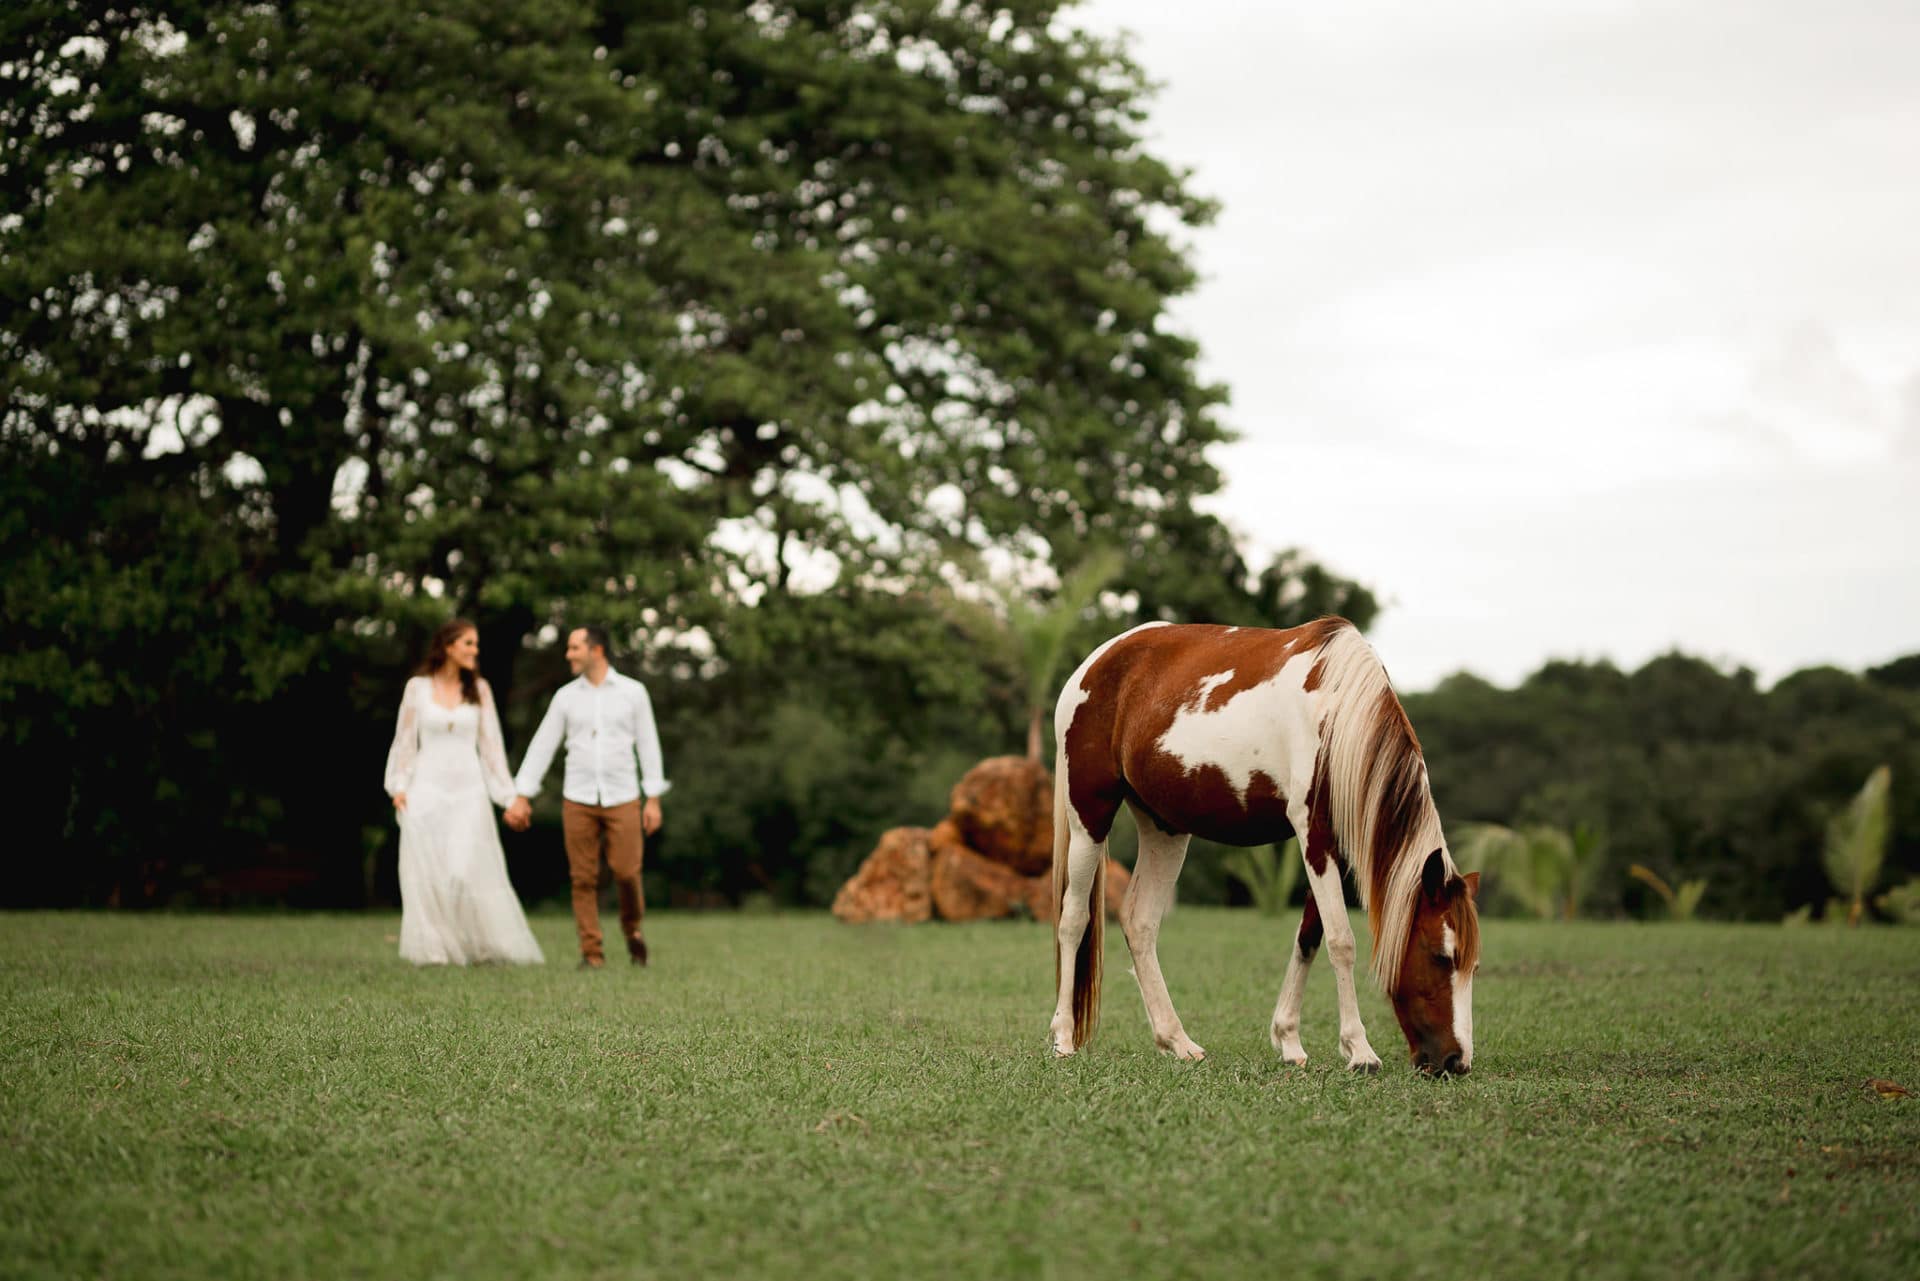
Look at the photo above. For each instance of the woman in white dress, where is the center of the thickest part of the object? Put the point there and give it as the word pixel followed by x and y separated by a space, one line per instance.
pixel 445 772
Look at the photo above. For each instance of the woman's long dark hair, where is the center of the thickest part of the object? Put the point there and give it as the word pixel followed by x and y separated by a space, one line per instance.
pixel 450 631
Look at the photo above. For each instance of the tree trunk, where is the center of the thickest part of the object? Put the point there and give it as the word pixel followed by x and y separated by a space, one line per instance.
pixel 1033 733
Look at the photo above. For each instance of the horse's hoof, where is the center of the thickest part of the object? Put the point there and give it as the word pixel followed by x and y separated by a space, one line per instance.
pixel 1365 1067
pixel 1181 1047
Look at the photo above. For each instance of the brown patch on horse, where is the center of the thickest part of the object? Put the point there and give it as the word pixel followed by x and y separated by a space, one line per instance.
pixel 1319 844
pixel 1307 941
pixel 1205 800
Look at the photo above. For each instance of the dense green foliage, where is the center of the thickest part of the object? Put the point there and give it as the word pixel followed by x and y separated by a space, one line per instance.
pixel 210 1098
pixel 719 324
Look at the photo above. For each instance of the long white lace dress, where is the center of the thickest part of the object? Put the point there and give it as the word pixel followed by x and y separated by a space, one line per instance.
pixel 457 905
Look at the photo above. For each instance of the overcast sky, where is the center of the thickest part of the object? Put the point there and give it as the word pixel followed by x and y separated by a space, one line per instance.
pixel 1581 329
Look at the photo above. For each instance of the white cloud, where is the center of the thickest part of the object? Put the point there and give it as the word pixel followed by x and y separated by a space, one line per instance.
pixel 1812 397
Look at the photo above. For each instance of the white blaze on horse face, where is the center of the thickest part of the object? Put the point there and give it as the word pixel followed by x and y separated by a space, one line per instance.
pixel 1463 1016
pixel 1462 999
pixel 1265 729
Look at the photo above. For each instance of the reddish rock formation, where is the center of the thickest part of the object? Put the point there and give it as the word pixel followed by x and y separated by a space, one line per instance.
pixel 1003 808
pixel 895 883
pixel 971 887
pixel 991 857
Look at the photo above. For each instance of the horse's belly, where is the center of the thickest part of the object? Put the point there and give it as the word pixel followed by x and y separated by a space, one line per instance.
pixel 1206 803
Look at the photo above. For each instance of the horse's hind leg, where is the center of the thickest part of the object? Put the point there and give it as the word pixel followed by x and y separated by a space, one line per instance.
pixel 1155 871
pixel 1286 1014
pixel 1084 856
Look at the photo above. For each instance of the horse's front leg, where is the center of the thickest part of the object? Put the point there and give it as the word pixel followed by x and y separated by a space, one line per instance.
pixel 1342 952
pixel 1156 869
pixel 1323 879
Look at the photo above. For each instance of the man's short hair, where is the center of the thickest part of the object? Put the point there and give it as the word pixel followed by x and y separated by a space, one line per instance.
pixel 597 636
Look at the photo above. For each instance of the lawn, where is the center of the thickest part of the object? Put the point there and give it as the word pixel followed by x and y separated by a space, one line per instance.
pixel 191 1096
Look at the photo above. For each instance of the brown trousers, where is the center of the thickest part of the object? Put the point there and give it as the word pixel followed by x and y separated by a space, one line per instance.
pixel 614 830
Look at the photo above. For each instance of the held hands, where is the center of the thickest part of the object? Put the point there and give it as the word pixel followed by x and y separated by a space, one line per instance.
pixel 519 815
pixel 400 802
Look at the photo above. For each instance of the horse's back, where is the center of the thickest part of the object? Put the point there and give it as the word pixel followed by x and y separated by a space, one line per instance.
pixel 1161 663
pixel 1196 724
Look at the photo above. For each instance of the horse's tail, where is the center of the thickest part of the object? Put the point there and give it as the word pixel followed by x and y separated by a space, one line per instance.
pixel 1086 962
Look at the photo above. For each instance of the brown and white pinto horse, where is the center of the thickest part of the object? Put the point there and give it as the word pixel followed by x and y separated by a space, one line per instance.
pixel 1240 735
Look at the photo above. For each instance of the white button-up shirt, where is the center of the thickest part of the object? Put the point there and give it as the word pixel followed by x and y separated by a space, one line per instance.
pixel 604 726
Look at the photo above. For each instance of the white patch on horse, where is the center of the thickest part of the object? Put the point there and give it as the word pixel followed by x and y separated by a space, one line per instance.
pixel 1263 729
pixel 1210 683
pixel 1446 941
pixel 1463 1016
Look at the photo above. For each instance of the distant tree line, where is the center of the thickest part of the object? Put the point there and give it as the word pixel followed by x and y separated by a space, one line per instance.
pixel 1691 772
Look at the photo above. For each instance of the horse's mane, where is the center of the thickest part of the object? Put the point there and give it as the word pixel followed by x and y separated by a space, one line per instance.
pixel 1376 784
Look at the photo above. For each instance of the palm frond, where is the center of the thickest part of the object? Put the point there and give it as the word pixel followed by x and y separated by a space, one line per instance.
pixel 1856 844
pixel 1588 850
pixel 1526 866
pixel 1681 903
pixel 1045 631
pixel 1269 873
pixel 1686 900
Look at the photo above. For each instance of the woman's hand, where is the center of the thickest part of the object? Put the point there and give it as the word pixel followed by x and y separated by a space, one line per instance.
pixel 400 802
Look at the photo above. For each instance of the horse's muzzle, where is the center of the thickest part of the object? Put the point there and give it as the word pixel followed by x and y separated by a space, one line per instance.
pixel 1436 1065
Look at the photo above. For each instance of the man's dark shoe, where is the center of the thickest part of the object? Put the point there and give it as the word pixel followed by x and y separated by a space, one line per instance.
pixel 637 949
pixel 591 963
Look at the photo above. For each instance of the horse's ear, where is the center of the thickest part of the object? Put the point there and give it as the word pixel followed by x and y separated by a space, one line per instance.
pixel 1472 881
pixel 1433 878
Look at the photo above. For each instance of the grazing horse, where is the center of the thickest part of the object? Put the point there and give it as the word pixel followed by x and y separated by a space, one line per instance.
pixel 1240 735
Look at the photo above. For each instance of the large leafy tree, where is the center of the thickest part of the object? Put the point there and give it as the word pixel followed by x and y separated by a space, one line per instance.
pixel 324 320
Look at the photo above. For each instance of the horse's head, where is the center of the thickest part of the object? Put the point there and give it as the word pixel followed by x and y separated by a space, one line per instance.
pixel 1434 995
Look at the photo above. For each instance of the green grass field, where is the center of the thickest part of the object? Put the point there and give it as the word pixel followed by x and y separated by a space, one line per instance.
pixel 783 1095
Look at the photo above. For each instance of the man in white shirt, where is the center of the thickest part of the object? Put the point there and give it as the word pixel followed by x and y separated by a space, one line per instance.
pixel 606 721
